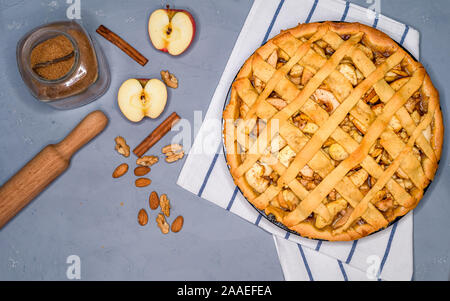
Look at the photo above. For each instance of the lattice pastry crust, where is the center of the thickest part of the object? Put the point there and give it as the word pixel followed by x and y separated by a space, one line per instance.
pixel 333 129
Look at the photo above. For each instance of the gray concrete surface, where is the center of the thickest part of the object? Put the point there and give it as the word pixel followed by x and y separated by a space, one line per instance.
pixel 81 212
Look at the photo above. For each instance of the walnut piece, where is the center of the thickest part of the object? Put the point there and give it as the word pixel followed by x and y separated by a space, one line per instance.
pixel 122 146
pixel 174 157
pixel 165 204
pixel 172 148
pixel 162 224
pixel 173 152
pixel 147 160
pixel 169 79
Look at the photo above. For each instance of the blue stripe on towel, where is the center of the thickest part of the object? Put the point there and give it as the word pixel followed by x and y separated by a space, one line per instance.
pixel 305 262
pixel 350 255
pixel 375 23
pixel 319 243
pixel 405 33
pixel 232 198
pixel 347 6
pixel 313 8
pixel 258 219
pixel 388 249
pixel 287 235
pixel 208 173
pixel 341 266
pixel 266 36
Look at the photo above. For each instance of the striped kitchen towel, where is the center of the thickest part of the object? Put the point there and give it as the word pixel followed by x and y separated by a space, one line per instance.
pixel 386 255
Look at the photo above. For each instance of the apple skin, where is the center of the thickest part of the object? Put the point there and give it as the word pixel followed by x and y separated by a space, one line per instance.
pixel 194 29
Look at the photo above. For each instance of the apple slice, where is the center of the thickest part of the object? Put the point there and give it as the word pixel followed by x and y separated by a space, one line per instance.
pixel 171 30
pixel 136 101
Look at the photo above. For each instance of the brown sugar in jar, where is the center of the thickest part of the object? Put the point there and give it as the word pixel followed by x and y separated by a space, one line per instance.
pixel 53 58
pixel 79 77
pixel 60 65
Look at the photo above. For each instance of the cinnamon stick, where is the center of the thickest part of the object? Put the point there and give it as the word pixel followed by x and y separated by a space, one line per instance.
pixel 124 46
pixel 156 135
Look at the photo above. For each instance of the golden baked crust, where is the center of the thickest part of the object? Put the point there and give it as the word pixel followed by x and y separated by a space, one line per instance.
pixel 333 129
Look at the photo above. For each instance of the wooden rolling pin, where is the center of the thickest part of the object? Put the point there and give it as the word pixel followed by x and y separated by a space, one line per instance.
pixel 46 166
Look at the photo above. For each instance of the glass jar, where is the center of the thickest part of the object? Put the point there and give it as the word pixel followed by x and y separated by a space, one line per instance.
pixel 87 79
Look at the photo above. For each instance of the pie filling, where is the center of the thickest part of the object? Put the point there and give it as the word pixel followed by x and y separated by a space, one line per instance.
pixel 325 100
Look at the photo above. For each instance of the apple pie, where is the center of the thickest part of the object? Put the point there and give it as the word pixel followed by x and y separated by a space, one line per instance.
pixel 333 129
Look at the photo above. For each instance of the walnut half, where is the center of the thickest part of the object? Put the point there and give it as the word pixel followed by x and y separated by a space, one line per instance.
pixel 162 224
pixel 169 79
pixel 146 160
pixel 165 205
pixel 173 152
pixel 122 146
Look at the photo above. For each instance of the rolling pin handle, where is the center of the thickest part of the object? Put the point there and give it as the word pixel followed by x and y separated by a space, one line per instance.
pixel 84 132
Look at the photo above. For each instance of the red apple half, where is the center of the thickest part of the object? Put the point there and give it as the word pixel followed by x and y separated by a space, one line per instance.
pixel 171 30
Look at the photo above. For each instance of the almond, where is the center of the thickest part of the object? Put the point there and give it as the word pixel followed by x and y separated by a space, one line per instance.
pixel 142 182
pixel 154 200
pixel 177 224
pixel 142 217
pixel 120 170
pixel 141 171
